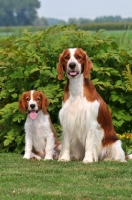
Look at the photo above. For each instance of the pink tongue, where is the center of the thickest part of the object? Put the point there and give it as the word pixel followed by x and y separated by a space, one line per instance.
pixel 73 73
pixel 33 114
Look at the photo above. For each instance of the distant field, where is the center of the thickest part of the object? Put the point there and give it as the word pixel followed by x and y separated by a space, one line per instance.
pixel 123 38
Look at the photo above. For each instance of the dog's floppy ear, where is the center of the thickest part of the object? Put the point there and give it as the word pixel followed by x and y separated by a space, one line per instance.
pixel 60 69
pixel 22 104
pixel 45 102
pixel 87 66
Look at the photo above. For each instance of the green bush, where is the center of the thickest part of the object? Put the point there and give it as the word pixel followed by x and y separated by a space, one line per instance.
pixel 29 62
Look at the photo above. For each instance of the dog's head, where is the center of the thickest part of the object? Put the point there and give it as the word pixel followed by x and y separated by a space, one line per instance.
pixel 74 62
pixel 33 101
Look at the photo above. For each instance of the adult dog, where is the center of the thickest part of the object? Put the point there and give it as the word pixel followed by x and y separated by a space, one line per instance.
pixel 41 138
pixel 88 132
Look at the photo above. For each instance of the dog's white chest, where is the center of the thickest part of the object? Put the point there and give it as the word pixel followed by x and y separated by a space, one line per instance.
pixel 39 130
pixel 79 116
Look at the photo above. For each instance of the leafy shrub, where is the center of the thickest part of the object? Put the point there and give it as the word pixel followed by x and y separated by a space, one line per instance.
pixel 29 62
pixel 126 139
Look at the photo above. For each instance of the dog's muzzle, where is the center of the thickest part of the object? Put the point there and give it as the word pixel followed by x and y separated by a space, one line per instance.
pixel 72 71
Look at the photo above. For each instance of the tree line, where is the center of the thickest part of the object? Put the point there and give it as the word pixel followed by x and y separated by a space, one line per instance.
pixel 18 12
pixel 80 21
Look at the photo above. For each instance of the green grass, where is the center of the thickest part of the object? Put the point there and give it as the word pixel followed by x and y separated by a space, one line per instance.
pixel 22 179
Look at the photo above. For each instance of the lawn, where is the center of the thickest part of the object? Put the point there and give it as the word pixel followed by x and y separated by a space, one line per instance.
pixel 22 179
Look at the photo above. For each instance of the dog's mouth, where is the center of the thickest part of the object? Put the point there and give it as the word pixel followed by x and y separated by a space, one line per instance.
pixel 73 73
pixel 32 114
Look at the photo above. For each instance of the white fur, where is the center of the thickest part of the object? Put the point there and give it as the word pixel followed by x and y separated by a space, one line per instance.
pixel 80 127
pixel 112 152
pixel 32 102
pixel 130 156
pixel 82 134
pixel 39 135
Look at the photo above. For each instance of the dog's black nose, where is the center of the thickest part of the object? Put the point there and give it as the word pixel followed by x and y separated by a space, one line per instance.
pixel 72 65
pixel 32 106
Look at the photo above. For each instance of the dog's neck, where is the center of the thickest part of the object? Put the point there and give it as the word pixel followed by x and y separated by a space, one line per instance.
pixel 76 86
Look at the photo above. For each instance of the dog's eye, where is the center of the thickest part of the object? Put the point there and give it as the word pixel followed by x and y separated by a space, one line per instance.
pixel 37 99
pixel 66 57
pixel 79 57
pixel 27 99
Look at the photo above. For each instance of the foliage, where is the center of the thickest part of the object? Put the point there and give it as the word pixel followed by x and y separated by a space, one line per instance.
pixel 123 38
pixel 13 13
pixel 126 139
pixel 29 62
pixel 128 76
pixel 53 180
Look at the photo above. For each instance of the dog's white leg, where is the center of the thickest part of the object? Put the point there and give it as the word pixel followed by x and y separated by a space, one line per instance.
pixel 90 148
pixel 28 146
pixel 49 148
pixel 65 148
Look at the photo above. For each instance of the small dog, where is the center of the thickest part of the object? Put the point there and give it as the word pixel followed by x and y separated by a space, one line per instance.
pixel 88 132
pixel 41 138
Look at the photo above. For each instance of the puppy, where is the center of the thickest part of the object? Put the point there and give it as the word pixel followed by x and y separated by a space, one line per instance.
pixel 41 138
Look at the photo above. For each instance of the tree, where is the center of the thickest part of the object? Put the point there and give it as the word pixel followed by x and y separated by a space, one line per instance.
pixel 84 21
pixel 41 21
pixel 20 12
pixel 72 21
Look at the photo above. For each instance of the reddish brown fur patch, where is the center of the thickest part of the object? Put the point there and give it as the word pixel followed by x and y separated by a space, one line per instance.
pixel 57 143
pixel 105 120
pixel 84 60
pixel 66 92
pixel 41 100
pixel 104 116
pixel 23 104
pixel 63 59
pixel 41 154
pixel 89 90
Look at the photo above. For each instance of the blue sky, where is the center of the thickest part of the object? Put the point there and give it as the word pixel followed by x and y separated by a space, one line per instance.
pixel 64 9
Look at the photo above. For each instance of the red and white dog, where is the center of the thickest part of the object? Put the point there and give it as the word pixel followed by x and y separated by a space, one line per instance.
pixel 41 138
pixel 88 132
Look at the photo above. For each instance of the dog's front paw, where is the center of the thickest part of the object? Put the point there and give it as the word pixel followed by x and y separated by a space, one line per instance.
pixel 48 158
pixel 64 159
pixel 87 160
pixel 26 156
